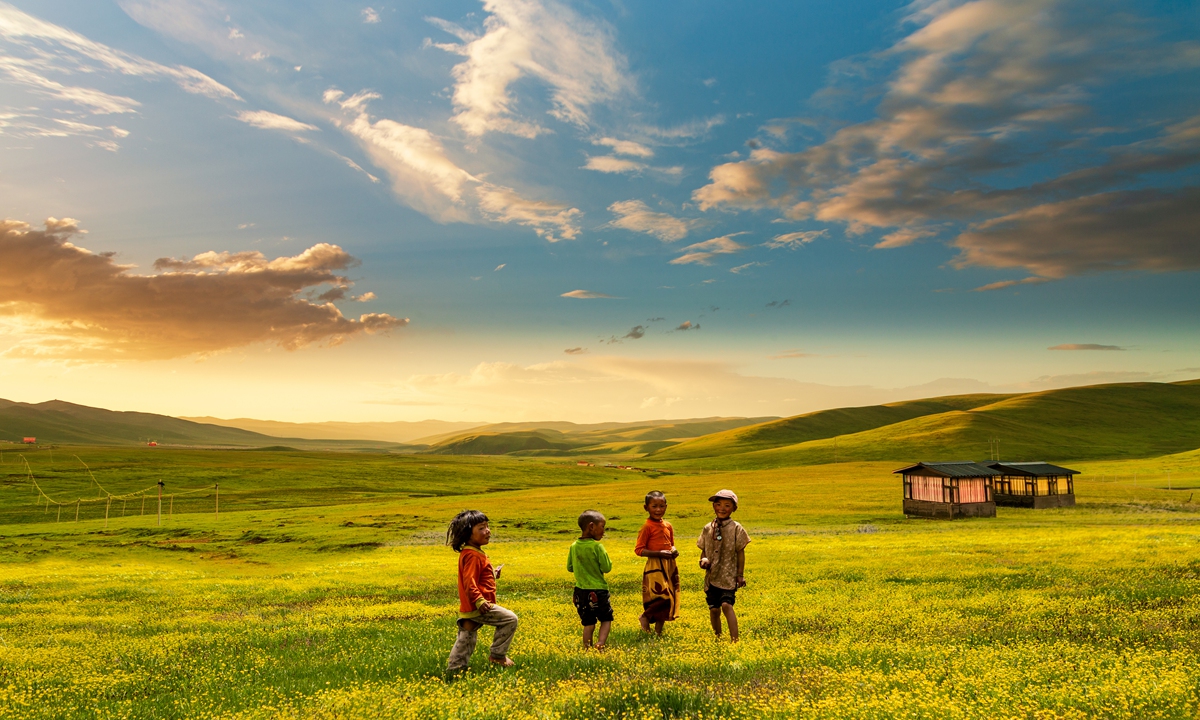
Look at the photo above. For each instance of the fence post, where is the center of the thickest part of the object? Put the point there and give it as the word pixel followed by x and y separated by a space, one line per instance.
pixel 171 507
pixel 143 504
pixel 217 500
pixel 59 518
pixel 76 511
pixel 160 487
pixel 107 504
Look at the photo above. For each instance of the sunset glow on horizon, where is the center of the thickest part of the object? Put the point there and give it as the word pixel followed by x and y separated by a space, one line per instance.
pixel 542 210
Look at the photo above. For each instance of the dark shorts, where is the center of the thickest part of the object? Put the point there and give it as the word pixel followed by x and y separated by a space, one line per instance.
pixel 717 596
pixel 592 605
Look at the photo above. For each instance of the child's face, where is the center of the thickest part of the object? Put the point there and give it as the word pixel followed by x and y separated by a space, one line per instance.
pixel 723 508
pixel 596 530
pixel 481 534
pixel 657 507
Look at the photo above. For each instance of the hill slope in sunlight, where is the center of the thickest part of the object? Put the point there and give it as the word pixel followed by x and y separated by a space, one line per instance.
pixel 1129 420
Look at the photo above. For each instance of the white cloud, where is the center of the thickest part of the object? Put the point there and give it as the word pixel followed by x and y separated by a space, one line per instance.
pixel 743 268
pixel 422 174
pixel 202 23
pixel 546 41
pixel 635 215
pixel 794 240
pixel 425 177
pixel 613 165
pixel 625 147
pixel 271 121
pixel 30 48
pixel 586 295
pixel 550 220
pixel 370 16
pixel 702 252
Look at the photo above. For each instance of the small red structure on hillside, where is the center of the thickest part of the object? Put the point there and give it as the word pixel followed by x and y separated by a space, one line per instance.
pixel 30 441
pixel 152 444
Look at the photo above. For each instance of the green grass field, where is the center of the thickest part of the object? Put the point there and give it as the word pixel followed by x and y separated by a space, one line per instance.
pixel 323 591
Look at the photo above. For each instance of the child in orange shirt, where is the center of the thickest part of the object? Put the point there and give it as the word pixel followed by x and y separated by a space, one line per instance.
pixel 660 579
pixel 467 534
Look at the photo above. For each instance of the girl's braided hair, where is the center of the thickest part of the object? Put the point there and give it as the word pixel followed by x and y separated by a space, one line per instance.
pixel 459 532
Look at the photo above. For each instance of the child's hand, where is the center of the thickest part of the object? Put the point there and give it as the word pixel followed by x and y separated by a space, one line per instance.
pixel 674 552
pixel 497 571
pixel 741 581
pixel 704 563
pixel 486 607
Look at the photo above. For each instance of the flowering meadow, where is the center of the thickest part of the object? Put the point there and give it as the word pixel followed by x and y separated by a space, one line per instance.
pixel 347 610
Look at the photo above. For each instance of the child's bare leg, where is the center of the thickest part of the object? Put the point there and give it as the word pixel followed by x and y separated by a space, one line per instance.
pixel 602 638
pixel 645 622
pixel 731 619
pixel 658 627
pixel 714 616
pixel 587 635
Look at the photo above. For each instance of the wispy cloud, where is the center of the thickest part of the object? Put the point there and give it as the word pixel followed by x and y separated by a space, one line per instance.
pixel 687 325
pixel 77 305
pixel 791 355
pixel 635 215
pixel 586 295
pixel 748 266
pixel 551 221
pixel 370 16
pixel 1001 284
pixel 425 177
pixel 546 41
pixel 988 88
pixel 1086 346
pixel 637 332
pixel 613 165
pixel 625 147
pixel 270 121
pixel 576 351
pixel 49 47
pixel 703 252
pixel 794 240
pixel 778 303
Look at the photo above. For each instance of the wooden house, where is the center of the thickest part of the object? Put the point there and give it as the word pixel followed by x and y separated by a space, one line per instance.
pixel 1033 485
pixel 948 490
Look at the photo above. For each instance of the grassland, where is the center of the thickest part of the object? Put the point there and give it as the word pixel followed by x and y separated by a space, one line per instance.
pixel 323 591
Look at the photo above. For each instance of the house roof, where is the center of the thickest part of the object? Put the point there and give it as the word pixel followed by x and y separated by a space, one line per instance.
pixel 1031 469
pixel 951 469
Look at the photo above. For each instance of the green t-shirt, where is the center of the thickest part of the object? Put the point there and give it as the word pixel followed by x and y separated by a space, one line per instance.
pixel 589 561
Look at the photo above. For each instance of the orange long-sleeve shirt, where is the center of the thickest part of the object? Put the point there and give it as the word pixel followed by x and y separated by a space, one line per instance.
pixel 476 581
pixel 655 535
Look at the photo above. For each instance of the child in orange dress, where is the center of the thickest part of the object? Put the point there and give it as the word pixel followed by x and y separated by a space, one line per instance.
pixel 660 579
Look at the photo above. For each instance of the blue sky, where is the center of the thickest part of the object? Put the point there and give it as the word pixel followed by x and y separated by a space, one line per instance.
pixel 528 210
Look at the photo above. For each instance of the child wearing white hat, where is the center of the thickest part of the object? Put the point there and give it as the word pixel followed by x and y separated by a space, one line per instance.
pixel 722 545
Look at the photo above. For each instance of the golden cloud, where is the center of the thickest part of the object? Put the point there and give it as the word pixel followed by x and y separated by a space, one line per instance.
pixel 70 303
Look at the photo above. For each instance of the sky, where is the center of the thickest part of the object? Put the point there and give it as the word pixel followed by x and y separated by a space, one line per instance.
pixel 541 210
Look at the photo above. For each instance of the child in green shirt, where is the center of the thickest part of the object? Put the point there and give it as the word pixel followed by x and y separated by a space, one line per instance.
pixel 589 561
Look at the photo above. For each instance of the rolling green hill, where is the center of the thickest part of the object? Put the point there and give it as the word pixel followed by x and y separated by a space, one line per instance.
pixel 817 425
pixel 63 422
pixel 1134 420
pixel 559 438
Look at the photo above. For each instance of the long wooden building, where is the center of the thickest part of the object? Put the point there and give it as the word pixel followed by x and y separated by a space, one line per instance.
pixel 948 490
pixel 1033 485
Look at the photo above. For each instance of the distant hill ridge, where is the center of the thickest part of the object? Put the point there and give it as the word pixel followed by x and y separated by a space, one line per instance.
pixel 56 421
pixel 1124 420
